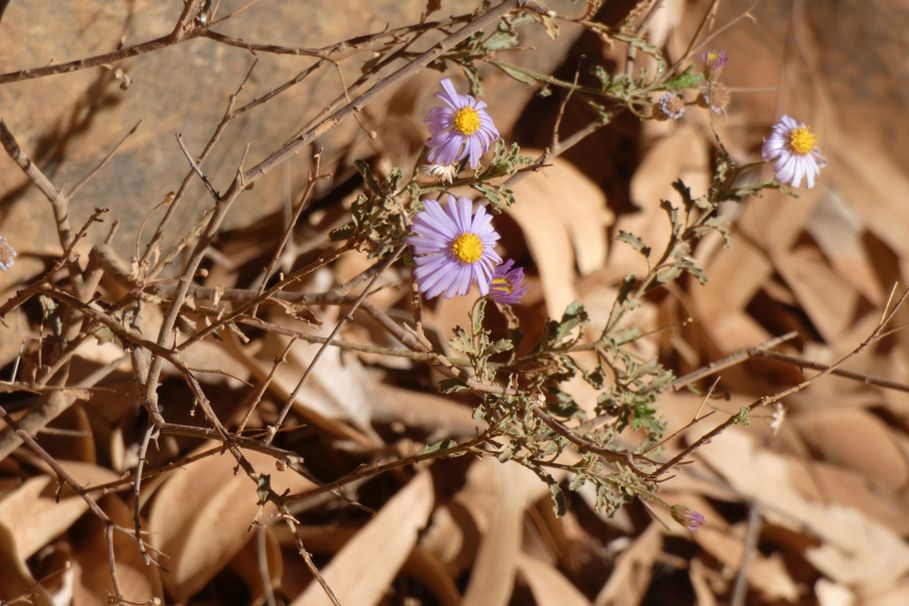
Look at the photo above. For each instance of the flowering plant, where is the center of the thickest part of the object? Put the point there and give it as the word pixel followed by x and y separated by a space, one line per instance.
pixel 569 391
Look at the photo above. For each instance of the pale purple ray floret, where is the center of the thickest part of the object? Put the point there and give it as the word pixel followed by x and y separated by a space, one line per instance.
pixel 453 247
pixel 461 128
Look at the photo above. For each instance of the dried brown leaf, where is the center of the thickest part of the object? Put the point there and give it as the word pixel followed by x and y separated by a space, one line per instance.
pixel 855 549
pixel 35 517
pixel 838 231
pixel 547 584
pixel 365 567
pixel 16 580
pixel 438 416
pixel 202 516
pixel 138 582
pixel 631 575
pixel 857 440
pixel 828 300
pixel 564 218
pixel 283 388
pixel 495 566
pixel 246 564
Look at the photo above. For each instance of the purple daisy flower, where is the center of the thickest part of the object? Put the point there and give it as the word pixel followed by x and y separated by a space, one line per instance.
pixel 792 148
pixel 714 60
pixel 687 517
pixel 7 254
pixel 453 246
pixel 672 106
pixel 459 129
pixel 508 285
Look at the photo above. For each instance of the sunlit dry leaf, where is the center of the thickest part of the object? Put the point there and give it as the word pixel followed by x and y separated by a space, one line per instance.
pixel 34 517
pixel 828 300
pixel 216 359
pixel 337 388
pixel 702 591
pixel 203 514
pixel 364 568
pixel 839 233
pixel 282 390
pixel 247 563
pixel 869 181
pixel 453 538
pixel 437 415
pixel 16 580
pixel 506 490
pixel 631 575
pixel 561 212
pixel 547 584
pixel 421 564
pixel 854 550
pixel 832 594
pixel 887 596
pixel 857 440
pixel 138 582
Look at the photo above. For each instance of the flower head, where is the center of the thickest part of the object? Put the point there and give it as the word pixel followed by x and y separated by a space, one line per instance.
pixel 459 129
pixel 687 517
pixel 507 285
pixel 716 96
pixel 672 105
pixel 777 418
pixel 441 172
pixel 453 246
pixel 714 60
pixel 792 148
pixel 7 254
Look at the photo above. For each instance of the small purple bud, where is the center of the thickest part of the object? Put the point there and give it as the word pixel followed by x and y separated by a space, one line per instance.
pixel 687 517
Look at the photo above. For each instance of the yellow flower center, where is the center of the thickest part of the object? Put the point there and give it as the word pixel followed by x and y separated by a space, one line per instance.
pixel 802 140
pixel 712 56
pixel 502 284
pixel 467 248
pixel 467 121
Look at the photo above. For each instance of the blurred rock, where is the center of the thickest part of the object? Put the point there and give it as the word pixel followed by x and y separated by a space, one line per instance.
pixel 68 122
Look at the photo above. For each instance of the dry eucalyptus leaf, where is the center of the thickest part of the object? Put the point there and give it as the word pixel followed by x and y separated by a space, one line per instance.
pixel 204 514
pixel 855 550
pixel 857 440
pixel 16 580
pixel 561 212
pixel 827 298
pixel 633 568
pixel 282 390
pixel 34 517
pixel 548 585
pixel 839 232
pixel 496 563
pixel 138 582
pixel 247 563
pixel 362 571
pixel 337 388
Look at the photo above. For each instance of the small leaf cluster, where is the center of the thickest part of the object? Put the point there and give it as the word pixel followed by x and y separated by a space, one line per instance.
pixel 379 217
